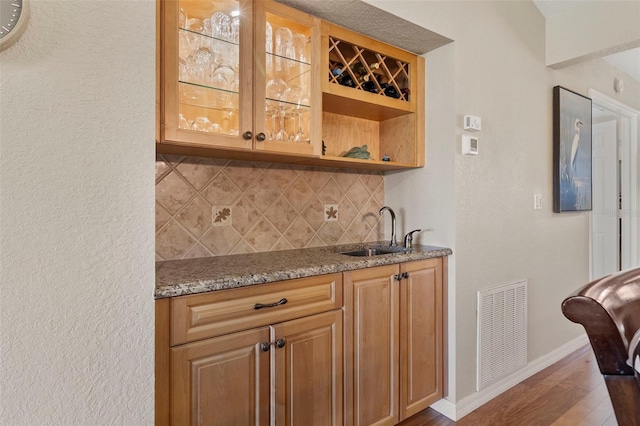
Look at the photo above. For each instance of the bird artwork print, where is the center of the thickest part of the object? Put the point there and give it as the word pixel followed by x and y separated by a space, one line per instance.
pixel 575 144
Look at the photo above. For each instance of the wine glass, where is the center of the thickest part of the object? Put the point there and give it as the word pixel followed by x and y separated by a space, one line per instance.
pixel 275 90
pixel 221 25
pixel 297 100
pixel 284 37
pixel 183 123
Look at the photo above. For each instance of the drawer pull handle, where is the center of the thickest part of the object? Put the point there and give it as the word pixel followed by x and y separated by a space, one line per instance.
pixel 270 305
pixel 281 342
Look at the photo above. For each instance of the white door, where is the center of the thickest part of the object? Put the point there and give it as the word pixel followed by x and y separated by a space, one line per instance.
pixel 605 242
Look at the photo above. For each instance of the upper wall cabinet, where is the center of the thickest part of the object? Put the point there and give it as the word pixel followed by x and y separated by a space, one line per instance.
pixel 258 80
pixel 237 76
pixel 373 94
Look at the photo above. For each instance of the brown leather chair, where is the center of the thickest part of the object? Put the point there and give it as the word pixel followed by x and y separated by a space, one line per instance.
pixel 609 311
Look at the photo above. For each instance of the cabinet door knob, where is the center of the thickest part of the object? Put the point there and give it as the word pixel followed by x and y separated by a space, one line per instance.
pixel 281 342
pixel 405 275
pixel 260 137
pixel 265 346
pixel 270 305
pixel 397 277
pixel 247 136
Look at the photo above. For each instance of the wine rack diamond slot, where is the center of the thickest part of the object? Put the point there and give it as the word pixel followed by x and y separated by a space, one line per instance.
pixel 359 68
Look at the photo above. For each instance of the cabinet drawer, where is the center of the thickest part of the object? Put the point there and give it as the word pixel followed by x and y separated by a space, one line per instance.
pixel 221 312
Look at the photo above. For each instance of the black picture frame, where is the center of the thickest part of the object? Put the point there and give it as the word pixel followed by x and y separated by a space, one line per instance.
pixel 572 169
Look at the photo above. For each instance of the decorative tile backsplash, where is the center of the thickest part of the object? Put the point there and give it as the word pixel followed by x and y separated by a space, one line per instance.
pixel 212 207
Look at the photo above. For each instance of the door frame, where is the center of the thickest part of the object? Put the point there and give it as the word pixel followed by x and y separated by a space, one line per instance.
pixel 627 151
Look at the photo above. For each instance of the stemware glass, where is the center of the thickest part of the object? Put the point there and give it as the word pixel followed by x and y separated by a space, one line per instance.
pixel 284 37
pixel 202 124
pixel 183 123
pixel 297 101
pixel 275 91
pixel 221 25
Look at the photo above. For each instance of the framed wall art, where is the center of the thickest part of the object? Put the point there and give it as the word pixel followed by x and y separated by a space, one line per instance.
pixel 571 151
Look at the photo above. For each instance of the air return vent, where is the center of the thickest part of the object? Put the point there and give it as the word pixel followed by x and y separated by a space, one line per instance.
pixel 502 332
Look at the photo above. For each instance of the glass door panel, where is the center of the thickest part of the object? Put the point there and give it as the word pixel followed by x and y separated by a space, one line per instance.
pixel 208 73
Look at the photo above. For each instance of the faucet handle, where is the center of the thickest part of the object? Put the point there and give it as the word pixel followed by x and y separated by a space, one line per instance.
pixel 408 238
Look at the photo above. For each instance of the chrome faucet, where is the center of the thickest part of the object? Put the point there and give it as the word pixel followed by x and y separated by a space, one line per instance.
pixel 408 239
pixel 393 224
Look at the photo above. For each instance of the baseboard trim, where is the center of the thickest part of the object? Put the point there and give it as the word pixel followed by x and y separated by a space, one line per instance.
pixel 456 411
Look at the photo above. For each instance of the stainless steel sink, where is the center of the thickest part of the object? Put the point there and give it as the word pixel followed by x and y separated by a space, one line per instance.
pixel 368 252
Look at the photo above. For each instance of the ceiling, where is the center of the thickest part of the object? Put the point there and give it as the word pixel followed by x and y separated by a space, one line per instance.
pixel 627 61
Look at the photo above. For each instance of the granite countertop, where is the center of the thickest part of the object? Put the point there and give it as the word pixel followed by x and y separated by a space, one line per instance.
pixel 191 276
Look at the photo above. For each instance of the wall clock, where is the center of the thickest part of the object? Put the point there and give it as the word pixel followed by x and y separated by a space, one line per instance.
pixel 14 15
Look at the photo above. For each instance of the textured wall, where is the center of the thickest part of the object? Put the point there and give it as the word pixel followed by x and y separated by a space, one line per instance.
pixel 211 207
pixel 498 72
pixel 76 209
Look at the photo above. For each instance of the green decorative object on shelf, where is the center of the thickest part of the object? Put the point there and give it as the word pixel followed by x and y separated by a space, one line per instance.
pixel 358 152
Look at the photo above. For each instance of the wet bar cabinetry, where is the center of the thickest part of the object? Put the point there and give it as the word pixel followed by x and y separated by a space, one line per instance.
pixel 358 347
pixel 258 80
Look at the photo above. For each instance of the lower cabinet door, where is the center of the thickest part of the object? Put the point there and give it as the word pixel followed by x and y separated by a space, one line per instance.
pixel 371 346
pixel 222 381
pixel 421 324
pixel 307 374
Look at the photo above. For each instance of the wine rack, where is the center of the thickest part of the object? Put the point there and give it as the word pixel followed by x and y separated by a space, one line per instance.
pixel 363 69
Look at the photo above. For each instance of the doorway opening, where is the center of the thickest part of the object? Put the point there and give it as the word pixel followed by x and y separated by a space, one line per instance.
pixel 614 219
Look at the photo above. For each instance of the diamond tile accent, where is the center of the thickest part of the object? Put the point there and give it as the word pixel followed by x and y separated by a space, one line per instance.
pixel 162 217
pixel 262 193
pixel 331 193
pixel 220 240
pixel 299 233
pixel 221 192
pixel 359 229
pixel 281 244
pixel 316 242
pixel 358 194
pixel 173 193
pixel 162 168
pixel 262 235
pixel 281 214
pixel 243 174
pixel 196 217
pixel 314 213
pixel 371 212
pixel 331 212
pixel 271 206
pixel 198 250
pixel 299 194
pixel 281 175
pixel 199 171
pixel 348 212
pixel 221 215
pixel 378 194
pixel 330 232
pixel 242 248
pixel 173 241
pixel 245 215
pixel 347 179
pixel 317 177
pixel 371 180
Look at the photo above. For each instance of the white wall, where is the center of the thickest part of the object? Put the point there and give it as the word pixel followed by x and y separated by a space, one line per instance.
pixel 77 216
pixel 499 74
pixel 592 30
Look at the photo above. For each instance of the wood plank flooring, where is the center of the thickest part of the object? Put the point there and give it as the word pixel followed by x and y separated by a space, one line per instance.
pixel 570 392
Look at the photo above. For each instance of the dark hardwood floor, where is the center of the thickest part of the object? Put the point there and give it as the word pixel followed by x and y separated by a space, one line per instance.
pixel 570 392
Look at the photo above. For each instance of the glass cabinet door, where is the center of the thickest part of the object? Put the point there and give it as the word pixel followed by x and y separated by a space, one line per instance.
pixel 207 62
pixel 288 89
